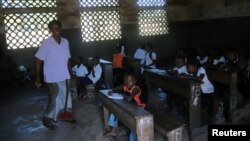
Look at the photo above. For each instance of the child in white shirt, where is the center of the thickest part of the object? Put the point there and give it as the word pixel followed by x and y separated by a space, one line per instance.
pixel 150 61
pixel 95 74
pixel 140 53
pixel 207 88
pixel 201 56
pixel 79 70
pixel 180 65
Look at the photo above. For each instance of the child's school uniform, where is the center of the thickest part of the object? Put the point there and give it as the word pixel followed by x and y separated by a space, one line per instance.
pixel 181 70
pixel 117 69
pixel 150 58
pixel 220 60
pixel 202 60
pixel 136 98
pixel 80 71
pixel 93 77
pixel 207 90
pixel 140 54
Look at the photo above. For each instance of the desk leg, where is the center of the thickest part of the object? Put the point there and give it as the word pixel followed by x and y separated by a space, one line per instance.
pixel 145 129
pixel 195 108
pixel 106 116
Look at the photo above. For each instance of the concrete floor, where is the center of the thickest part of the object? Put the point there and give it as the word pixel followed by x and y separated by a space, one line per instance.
pixel 21 120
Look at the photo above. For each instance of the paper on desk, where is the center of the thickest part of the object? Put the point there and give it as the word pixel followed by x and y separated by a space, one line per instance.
pixel 113 96
pixel 158 71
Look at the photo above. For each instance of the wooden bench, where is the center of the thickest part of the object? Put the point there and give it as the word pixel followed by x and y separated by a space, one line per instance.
pixel 188 89
pixel 135 118
pixel 169 126
pixel 230 79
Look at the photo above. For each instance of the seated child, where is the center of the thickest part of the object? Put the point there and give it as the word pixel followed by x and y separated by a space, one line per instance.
pixel 95 73
pixel 117 66
pixel 93 76
pixel 140 53
pixel 235 60
pixel 134 93
pixel 150 60
pixel 201 56
pixel 180 66
pixel 216 58
pixel 207 88
pixel 79 71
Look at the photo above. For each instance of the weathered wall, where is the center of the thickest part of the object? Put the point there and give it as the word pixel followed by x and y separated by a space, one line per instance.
pixel 224 33
pixel 68 14
pixel 191 22
pixel 210 9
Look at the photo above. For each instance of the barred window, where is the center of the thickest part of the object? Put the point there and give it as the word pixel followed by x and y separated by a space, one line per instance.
pixel 28 3
pixel 151 2
pixel 99 3
pixel 26 30
pixel 99 25
pixel 152 22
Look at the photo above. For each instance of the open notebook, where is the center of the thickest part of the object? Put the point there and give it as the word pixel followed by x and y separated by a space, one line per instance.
pixel 113 96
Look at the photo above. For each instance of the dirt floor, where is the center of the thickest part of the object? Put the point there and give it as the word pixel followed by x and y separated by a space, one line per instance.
pixel 22 112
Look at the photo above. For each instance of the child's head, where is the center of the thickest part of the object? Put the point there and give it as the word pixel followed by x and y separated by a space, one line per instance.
pixel 79 60
pixel 148 47
pixel 118 49
pixel 96 60
pixel 129 80
pixel 143 46
pixel 179 61
pixel 217 53
pixel 201 51
pixel 231 54
pixel 192 65
pixel 181 52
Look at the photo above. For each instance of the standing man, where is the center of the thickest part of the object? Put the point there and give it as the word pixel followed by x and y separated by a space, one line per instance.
pixel 54 54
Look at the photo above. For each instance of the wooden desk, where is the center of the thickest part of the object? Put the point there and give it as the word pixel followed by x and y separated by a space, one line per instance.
pixel 229 78
pixel 187 89
pixel 135 118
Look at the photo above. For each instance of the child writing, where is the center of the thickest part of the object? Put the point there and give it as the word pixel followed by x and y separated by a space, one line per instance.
pixel 134 92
